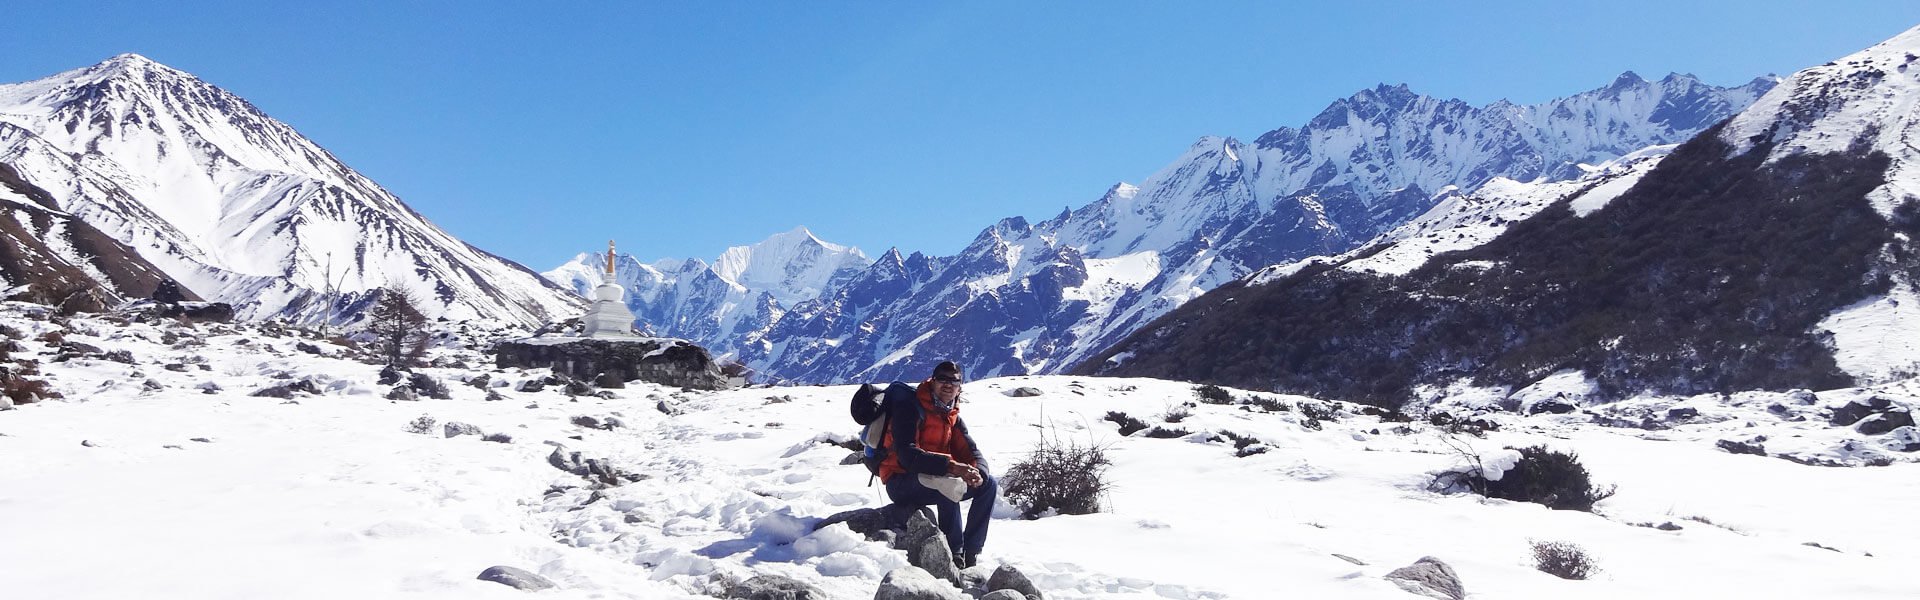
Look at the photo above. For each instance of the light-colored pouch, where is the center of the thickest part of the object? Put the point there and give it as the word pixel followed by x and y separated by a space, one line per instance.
pixel 952 487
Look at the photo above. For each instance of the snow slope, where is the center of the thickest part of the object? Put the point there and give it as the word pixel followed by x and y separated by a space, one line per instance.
pixel 328 495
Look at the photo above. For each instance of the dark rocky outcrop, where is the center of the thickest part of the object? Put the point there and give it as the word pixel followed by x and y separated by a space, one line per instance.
pixel 657 360
pixel 1739 447
pixel 517 578
pixel 286 390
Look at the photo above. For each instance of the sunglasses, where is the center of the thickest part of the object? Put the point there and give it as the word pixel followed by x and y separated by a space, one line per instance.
pixel 952 380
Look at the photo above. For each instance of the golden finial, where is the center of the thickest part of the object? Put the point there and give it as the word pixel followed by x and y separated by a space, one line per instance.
pixel 609 260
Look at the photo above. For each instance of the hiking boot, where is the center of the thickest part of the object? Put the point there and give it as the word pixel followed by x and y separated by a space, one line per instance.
pixel 972 559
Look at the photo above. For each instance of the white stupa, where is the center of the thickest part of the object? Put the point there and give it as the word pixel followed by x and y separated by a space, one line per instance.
pixel 609 318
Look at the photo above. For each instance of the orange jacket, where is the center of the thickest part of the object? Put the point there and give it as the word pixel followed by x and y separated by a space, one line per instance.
pixel 941 437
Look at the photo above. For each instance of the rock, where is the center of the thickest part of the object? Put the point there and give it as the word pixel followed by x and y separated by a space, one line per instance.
pixel 201 440
pixel 391 374
pixel 1853 412
pixel 575 387
pixel 89 444
pixel 308 348
pixel 403 392
pixel 1431 578
pixel 609 381
pixel 1003 595
pixel 772 587
pixel 1024 392
pixel 516 578
pixel 1884 422
pixel 119 356
pixel 495 396
pixel 152 386
pixel 457 429
pixel 498 437
pixel 481 381
pixel 933 555
pixel 429 387
pixel 531 385
pixel 663 407
pixel 1735 447
pixel 869 522
pixel 913 583
pixel 1008 578
pixel 284 391
pixel 175 367
pixel 1682 413
pixel 591 423
pixel 1557 407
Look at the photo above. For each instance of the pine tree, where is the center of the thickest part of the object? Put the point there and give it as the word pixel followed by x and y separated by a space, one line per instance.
pixel 398 327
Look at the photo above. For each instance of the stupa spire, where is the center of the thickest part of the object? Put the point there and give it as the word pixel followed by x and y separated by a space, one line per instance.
pixel 609 259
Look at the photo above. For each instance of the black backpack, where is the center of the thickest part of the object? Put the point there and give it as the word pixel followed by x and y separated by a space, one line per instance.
pixel 870 408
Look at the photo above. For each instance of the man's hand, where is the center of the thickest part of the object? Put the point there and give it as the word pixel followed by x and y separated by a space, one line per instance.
pixel 966 473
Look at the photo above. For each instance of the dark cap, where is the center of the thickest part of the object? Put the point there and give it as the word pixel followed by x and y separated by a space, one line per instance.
pixel 946 369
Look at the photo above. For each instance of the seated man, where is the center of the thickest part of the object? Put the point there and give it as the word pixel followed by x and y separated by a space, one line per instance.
pixel 934 462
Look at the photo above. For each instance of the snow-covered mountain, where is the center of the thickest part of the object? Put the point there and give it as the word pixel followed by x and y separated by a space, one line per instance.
pixel 237 206
pixel 1775 251
pixel 730 303
pixel 1040 297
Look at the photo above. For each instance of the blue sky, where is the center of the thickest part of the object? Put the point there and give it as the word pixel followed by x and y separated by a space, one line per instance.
pixel 539 130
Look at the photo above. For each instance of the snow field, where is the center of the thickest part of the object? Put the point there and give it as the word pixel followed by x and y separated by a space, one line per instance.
pixel 330 496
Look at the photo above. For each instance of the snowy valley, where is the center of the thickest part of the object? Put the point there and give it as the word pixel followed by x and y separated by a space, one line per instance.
pixel 163 466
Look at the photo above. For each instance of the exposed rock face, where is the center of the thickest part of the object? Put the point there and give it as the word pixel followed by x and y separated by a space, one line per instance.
pixel 659 360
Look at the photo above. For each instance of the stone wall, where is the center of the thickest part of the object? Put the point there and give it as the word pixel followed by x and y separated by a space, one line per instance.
pixel 658 360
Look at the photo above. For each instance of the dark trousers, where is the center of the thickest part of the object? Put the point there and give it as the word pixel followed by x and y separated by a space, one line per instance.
pixel 906 492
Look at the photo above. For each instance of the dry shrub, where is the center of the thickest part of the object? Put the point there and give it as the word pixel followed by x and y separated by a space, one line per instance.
pixel 1563 560
pixel 1066 478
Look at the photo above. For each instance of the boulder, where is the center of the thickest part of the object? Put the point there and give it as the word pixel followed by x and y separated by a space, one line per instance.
pixel 1024 392
pixel 286 390
pixel 1884 422
pixel 481 381
pixel 1737 447
pixel 498 437
pixel 913 583
pixel 1554 406
pixel 772 587
pixel 1003 595
pixel 391 374
pixel 879 524
pixel 517 578
pixel 1853 412
pixel 403 392
pixel 1431 578
pixel 1008 578
pixel 927 548
pixel 1682 413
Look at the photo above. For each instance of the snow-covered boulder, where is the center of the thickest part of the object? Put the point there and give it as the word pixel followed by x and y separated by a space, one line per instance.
pixel 1431 578
pixel 516 578
pixel 914 583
